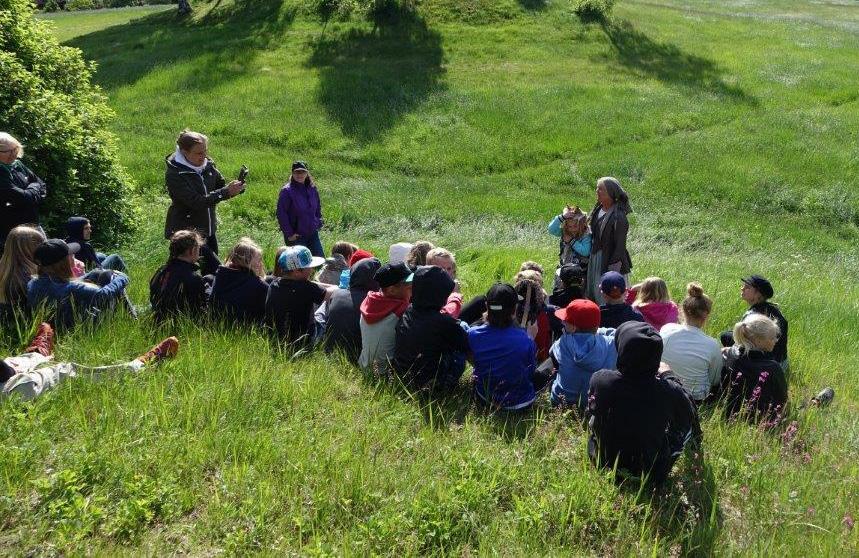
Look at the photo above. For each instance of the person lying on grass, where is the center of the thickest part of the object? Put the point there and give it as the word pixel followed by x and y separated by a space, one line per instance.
pixel 67 300
pixel 503 354
pixel 639 421
pixel 293 297
pixel 583 349
pixel 239 290
pixel 79 231
pixel 31 374
pixel 753 383
pixel 429 346
pixel 177 287
pixel 693 356
pixel 757 291
pixel 380 313
pixel 571 227
pixel 343 310
pixel 616 311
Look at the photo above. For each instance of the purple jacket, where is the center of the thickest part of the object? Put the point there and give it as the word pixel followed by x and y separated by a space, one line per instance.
pixel 298 210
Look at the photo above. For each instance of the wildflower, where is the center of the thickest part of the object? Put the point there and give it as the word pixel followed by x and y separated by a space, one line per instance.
pixel 848 521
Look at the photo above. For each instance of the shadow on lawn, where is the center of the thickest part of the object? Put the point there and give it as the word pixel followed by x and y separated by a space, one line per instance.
pixel 533 5
pixel 222 43
pixel 666 62
pixel 370 78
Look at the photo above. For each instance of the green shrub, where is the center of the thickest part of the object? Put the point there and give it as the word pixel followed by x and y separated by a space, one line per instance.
pixel 48 102
pixel 51 6
pixel 593 9
pixel 83 5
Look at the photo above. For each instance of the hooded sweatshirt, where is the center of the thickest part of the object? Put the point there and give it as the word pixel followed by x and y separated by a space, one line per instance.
pixel 75 231
pixel 504 363
pixel 656 314
pixel 754 383
pixel 342 326
pixel 579 355
pixel 425 335
pixel 636 419
pixel 379 318
pixel 238 295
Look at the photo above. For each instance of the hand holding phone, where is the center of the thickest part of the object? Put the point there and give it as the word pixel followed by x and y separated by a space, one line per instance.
pixel 243 173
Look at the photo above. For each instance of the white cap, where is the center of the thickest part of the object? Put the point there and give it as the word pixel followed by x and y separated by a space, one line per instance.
pixel 398 252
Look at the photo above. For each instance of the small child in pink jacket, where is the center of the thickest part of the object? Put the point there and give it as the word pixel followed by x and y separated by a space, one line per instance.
pixel 651 298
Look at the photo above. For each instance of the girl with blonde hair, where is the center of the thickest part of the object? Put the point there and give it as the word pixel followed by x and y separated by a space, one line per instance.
pixel 652 299
pixel 17 267
pixel 239 289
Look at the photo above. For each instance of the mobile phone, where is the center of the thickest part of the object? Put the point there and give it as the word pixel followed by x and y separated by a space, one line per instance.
pixel 243 173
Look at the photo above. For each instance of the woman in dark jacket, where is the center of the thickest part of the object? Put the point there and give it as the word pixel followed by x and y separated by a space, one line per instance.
pixel 21 191
pixel 195 187
pixel 753 384
pixel 609 227
pixel 239 291
pixel 299 211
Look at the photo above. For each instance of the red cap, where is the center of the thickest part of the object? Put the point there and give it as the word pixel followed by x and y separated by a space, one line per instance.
pixel 581 313
pixel 359 255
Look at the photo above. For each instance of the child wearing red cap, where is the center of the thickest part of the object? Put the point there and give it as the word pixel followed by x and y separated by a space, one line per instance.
pixel 583 349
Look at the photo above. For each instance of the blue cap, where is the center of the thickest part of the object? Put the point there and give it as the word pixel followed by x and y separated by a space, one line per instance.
pixel 298 257
pixel 612 280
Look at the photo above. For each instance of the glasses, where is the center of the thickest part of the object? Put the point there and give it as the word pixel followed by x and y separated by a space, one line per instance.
pixel 10 150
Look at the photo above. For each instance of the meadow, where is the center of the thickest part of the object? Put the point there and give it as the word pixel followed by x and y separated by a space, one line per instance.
pixel 470 123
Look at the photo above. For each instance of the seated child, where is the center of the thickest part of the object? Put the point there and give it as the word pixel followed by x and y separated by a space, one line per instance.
pixel 447 261
pixel 530 265
pixel 583 349
pixel 418 253
pixel 381 312
pixel 30 374
pixel 693 356
pixel 639 422
pixel 570 286
pixel 69 300
pixel 651 298
pixel 503 355
pixel 239 290
pixel 177 287
pixel 291 298
pixel 571 226
pixel 399 252
pixel 533 310
pixel 753 383
pixel 756 292
pixel 430 347
pixel 79 231
pixel 343 310
pixel 338 263
pixel 616 311
pixel 276 271
pixel 17 267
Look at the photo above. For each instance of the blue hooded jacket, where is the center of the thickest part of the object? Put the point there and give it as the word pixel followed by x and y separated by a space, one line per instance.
pixel 75 301
pixel 579 355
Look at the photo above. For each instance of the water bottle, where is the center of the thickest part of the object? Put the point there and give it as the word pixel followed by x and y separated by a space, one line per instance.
pixel 344 279
pixel 823 398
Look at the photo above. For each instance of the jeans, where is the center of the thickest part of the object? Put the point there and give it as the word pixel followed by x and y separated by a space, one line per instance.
pixel 311 242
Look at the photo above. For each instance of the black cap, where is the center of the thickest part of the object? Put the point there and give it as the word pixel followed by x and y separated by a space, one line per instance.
pixel 392 274
pixel 299 165
pixel 501 297
pixel 761 284
pixel 571 273
pixel 53 250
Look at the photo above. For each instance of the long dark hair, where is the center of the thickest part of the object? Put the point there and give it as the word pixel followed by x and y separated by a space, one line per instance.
pixel 307 181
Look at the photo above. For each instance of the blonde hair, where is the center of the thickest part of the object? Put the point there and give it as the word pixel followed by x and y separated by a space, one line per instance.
pixel 580 220
pixel 696 305
pixel 9 140
pixel 418 253
pixel 17 265
pixel 531 266
pixel 243 253
pixel 440 253
pixel 652 289
pixel 755 330
pixel 529 275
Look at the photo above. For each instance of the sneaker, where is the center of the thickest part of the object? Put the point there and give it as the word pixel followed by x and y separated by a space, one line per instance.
pixel 43 342
pixel 165 349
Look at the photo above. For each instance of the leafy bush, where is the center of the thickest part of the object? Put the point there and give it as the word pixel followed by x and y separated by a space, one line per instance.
pixel 48 102
pixel 593 9
pixel 98 4
pixel 380 12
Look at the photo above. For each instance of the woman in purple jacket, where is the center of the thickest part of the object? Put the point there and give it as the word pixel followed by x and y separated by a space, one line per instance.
pixel 299 211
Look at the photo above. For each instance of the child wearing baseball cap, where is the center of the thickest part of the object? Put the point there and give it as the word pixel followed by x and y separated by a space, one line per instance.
pixel 381 312
pixel 503 355
pixel 583 349
pixel 292 297
pixel 616 311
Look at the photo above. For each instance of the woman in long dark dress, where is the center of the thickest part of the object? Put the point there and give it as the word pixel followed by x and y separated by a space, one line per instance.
pixel 609 228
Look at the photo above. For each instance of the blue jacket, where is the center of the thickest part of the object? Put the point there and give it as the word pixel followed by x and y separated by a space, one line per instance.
pixel 504 362
pixel 581 247
pixel 74 301
pixel 579 355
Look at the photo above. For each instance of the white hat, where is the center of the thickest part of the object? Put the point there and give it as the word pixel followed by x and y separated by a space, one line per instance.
pixel 398 252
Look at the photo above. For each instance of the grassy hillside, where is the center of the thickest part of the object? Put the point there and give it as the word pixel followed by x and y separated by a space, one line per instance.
pixel 732 125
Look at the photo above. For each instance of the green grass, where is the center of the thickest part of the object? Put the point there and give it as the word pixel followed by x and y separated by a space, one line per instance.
pixel 731 124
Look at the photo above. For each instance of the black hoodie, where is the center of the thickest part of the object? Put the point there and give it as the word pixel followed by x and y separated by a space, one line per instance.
pixel 342 327
pixel 75 231
pixel 177 287
pixel 239 295
pixel 636 418
pixel 424 334
pixel 754 380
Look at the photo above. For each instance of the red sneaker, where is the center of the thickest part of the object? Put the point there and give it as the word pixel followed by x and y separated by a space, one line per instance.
pixel 165 349
pixel 43 342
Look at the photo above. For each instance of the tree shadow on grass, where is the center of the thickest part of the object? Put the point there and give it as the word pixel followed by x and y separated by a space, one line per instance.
pixel 222 42
pixel 641 55
pixel 533 5
pixel 370 78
